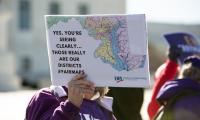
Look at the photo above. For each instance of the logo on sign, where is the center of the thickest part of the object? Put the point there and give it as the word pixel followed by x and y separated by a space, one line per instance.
pixel 118 79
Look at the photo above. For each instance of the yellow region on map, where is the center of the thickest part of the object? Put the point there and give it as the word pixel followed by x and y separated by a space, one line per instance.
pixel 104 51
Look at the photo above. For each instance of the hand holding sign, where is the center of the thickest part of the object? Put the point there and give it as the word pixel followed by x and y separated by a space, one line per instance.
pixel 79 88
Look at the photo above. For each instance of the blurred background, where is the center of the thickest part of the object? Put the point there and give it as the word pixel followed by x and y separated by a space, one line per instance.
pixel 24 66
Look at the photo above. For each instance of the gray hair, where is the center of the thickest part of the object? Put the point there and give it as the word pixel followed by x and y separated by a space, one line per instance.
pixel 102 90
pixel 188 71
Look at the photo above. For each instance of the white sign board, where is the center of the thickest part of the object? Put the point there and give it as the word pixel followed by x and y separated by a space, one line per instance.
pixel 110 49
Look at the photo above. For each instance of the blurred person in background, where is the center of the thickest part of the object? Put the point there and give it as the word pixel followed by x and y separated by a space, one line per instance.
pixel 80 100
pixel 180 98
pixel 164 73
pixel 127 102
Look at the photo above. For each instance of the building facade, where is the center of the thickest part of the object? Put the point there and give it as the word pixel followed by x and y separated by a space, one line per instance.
pixel 9 80
pixel 27 38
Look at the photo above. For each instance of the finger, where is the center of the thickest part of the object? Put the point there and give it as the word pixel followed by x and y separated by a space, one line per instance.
pixel 79 76
pixel 76 82
pixel 78 92
pixel 87 90
pixel 82 82
pixel 83 86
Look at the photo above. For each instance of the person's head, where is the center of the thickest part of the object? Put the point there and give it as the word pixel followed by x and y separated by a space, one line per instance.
pixel 102 90
pixel 99 92
pixel 174 52
pixel 191 68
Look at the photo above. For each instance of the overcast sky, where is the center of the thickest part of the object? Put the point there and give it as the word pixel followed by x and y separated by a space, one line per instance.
pixel 167 11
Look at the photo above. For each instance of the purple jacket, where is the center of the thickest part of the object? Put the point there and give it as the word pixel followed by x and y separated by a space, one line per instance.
pixel 46 105
pixel 186 108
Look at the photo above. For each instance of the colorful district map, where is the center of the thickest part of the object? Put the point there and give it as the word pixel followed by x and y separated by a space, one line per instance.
pixel 112 31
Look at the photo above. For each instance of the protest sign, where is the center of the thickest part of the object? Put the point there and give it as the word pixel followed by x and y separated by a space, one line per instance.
pixel 110 49
pixel 188 42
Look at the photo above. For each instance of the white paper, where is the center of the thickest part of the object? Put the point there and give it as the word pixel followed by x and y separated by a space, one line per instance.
pixel 110 49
